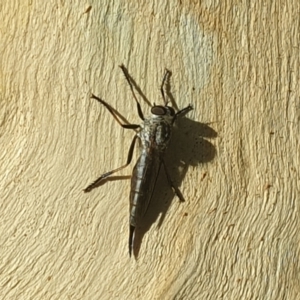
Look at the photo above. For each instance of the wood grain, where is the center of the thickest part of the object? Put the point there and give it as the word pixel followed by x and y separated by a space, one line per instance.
pixel 235 157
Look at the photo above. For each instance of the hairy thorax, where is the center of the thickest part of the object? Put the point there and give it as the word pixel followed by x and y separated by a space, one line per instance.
pixel 156 133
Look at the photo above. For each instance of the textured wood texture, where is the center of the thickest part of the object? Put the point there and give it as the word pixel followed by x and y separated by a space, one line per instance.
pixel 235 157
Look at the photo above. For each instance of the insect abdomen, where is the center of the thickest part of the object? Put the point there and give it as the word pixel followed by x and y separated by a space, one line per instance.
pixel 142 185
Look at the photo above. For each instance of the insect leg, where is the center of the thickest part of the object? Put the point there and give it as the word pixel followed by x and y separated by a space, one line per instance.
pixel 114 114
pixel 182 112
pixel 107 174
pixel 165 78
pixel 141 115
pixel 174 188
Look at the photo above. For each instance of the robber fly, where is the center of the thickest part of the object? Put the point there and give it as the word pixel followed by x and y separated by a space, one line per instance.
pixel 154 134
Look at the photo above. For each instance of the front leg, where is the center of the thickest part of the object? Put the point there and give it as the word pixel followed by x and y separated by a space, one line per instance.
pixel 114 114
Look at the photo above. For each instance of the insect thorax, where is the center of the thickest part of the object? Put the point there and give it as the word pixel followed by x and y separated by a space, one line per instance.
pixel 156 132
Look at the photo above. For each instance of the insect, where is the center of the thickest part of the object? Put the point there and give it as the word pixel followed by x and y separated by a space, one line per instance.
pixel 154 134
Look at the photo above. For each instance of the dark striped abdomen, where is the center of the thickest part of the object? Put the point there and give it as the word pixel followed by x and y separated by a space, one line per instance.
pixel 143 181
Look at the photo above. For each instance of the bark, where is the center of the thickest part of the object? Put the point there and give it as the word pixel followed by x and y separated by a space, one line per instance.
pixel 235 157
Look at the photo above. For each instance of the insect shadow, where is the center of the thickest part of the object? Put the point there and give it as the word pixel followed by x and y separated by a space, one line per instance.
pixel 187 147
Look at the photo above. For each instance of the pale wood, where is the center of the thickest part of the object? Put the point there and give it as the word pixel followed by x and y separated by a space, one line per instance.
pixel 237 234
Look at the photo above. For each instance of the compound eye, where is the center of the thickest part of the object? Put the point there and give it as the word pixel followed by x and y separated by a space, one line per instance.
pixel 158 110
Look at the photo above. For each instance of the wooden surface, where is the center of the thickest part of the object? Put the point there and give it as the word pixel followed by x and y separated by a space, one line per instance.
pixel 235 157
